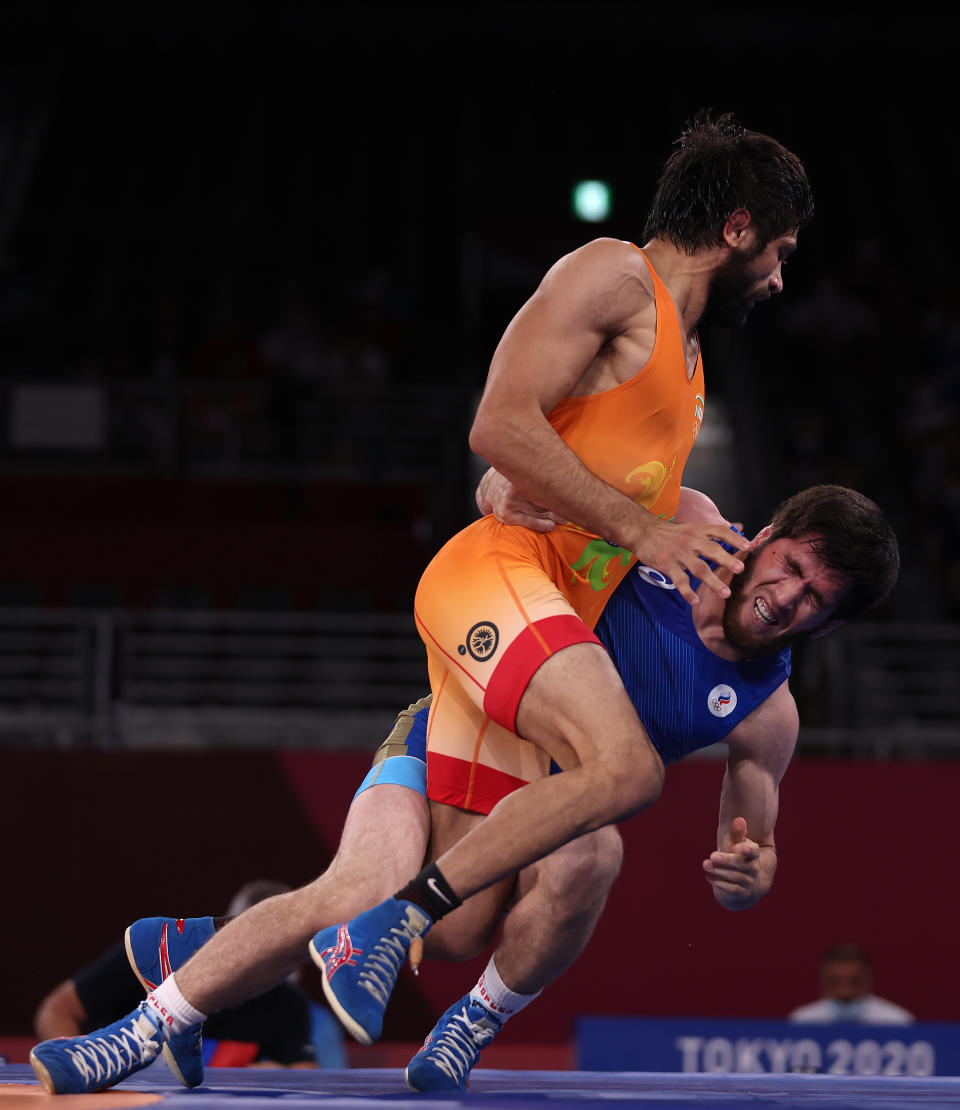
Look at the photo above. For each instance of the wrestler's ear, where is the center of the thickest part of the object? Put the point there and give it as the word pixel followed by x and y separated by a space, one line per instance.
pixel 762 535
pixel 738 230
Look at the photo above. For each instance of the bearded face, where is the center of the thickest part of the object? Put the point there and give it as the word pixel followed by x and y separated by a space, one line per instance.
pixel 738 630
pixel 783 592
pixel 734 290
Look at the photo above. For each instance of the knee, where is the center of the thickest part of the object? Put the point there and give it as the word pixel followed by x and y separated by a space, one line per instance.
pixel 604 855
pixel 651 779
pixel 637 788
pixel 584 869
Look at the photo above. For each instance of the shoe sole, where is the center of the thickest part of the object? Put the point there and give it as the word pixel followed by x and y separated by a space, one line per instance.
pixel 166 1050
pixel 433 1090
pixel 40 1070
pixel 133 963
pixel 352 1027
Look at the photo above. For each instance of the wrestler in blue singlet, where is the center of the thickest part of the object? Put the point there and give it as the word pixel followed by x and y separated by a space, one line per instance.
pixel 687 697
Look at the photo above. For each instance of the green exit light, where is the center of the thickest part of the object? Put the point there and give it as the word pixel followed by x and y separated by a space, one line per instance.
pixel 591 201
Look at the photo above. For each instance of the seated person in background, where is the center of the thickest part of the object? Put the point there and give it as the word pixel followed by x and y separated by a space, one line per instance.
pixel 284 1026
pixel 846 976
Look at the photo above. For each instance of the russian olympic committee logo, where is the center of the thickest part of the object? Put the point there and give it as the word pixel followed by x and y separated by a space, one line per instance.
pixel 722 700
pixel 482 641
pixel 656 578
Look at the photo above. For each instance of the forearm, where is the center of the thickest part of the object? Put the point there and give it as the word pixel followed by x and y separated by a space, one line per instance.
pixel 546 472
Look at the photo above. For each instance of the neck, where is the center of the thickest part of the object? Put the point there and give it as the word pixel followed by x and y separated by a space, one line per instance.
pixel 708 620
pixel 686 276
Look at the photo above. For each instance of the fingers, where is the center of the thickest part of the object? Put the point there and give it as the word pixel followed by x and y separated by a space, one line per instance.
pixel 682 583
pixel 739 857
pixel 738 860
pixel 728 536
pixel 534 523
pixel 694 548
pixel 527 514
pixel 711 581
pixel 733 871
pixel 716 554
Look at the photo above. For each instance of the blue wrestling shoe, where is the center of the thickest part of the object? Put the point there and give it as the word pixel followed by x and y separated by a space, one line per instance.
pixel 453 1047
pixel 360 962
pixel 156 947
pixel 78 1065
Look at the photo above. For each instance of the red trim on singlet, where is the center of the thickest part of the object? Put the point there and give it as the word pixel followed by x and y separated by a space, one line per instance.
pixel 446 654
pixel 466 785
pixel 529 651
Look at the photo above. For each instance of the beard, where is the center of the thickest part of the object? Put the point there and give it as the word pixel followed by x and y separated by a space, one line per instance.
pixel 730 299
pixel 737 631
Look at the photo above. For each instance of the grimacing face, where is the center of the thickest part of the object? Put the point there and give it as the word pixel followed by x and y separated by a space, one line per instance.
pixel 783 592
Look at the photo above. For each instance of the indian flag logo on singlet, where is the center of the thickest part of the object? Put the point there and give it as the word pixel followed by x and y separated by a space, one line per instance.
pixel 697 415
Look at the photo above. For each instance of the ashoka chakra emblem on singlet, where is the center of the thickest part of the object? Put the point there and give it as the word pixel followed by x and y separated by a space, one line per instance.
pixel 482 640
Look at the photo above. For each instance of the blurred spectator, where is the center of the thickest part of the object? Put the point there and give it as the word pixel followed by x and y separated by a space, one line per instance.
pixel 283 1026
pixel 846 978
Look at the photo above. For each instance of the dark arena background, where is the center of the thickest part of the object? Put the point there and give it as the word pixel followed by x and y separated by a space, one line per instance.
pixel 254 261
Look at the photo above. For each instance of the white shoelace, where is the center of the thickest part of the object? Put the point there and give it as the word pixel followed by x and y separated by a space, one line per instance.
pixel 457 1048
pixel 102 1059
pixel 381 966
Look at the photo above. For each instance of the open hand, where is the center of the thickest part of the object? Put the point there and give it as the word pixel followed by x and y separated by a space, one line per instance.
pixel 675 549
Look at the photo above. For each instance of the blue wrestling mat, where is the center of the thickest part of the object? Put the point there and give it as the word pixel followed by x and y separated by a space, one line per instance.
pixel 266 1088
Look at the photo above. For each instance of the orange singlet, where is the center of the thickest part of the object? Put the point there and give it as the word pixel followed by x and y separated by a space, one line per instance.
pixel 498 600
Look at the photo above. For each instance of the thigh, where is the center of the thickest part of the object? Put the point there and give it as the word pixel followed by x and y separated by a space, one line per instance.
pixel 577 709
pixel 473 762
pixel 579 871
pixel 384 839
pixel 490 610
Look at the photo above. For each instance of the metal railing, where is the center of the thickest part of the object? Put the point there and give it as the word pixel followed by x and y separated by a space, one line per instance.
pixel 887 689
pixel 122 679
pixel 118 679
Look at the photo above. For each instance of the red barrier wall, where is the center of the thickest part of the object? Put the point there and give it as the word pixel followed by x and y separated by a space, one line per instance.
pixel 93 841
pixel 136 541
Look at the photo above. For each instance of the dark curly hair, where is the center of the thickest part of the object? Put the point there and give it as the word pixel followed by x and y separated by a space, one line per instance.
pixel 718 167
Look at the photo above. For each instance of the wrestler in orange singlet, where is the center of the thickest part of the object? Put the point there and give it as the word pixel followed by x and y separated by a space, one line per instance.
pixel 596 384
pixel 499 600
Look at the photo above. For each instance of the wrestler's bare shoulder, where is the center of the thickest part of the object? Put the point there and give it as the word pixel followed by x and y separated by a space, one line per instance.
pixel 614 263
pixel 610 280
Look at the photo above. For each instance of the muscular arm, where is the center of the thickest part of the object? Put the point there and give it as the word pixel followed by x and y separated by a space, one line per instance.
pixel 587 299
pixel 742 868
pixel 496 495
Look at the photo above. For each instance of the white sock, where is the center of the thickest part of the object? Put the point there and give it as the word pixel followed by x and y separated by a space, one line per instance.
pixel 492 992
pixel 173 1010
